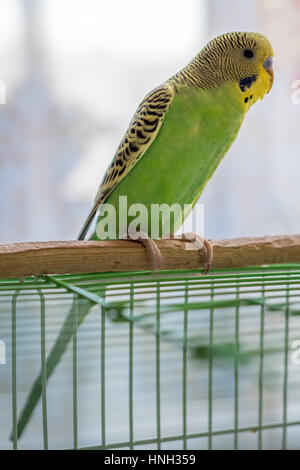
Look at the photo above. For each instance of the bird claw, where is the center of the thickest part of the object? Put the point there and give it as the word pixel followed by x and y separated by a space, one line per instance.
pixel 151 248
pixel 203 245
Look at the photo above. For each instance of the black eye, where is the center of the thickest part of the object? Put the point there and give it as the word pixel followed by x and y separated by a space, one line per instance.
pixel 248 54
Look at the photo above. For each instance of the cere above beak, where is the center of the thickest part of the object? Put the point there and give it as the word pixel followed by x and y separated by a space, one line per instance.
pixel 268 65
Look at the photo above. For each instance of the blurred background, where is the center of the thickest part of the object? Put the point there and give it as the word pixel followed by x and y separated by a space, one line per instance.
pixel 75 71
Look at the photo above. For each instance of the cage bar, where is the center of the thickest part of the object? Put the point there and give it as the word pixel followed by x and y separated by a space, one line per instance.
pixel 153 360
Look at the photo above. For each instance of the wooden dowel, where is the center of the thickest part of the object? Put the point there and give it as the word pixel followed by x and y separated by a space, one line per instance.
pixel 62 257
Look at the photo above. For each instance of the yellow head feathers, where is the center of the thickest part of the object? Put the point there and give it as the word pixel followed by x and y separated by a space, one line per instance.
pixel 242 58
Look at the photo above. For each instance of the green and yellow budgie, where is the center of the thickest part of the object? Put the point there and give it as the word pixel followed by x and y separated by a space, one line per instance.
pixel 183 128
pixel 174 143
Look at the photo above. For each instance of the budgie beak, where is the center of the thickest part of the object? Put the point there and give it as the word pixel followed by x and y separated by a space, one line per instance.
pixel 268 66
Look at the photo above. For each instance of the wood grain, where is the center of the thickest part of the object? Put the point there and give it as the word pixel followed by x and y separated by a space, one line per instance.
pixel 62 257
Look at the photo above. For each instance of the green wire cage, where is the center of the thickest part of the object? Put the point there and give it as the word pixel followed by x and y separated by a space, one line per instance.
pixel 172 360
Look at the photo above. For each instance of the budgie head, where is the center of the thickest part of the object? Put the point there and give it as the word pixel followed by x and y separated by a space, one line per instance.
pixel 242 58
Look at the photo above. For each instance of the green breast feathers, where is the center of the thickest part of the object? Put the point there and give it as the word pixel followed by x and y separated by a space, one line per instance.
pixel 198 130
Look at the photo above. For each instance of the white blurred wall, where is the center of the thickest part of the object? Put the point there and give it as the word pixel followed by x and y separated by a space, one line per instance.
pixel 76 71
pixel 255 191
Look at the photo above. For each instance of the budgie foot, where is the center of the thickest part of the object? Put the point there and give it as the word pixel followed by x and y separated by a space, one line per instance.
pixel 151 247
pixel 205 247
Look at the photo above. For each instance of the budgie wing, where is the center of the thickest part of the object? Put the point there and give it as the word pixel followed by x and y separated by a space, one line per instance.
pixel 140 134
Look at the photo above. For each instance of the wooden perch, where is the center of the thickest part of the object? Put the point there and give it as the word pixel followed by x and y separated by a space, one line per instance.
pixel 26 259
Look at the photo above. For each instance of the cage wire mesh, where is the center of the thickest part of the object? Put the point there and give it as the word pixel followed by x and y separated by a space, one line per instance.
pixel 169 361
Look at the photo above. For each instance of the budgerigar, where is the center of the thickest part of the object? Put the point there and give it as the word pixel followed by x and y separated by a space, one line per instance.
pixel 175 141
pixel 183 128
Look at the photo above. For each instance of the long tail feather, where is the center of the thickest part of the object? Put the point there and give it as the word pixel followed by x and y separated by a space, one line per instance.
pixel 87 223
